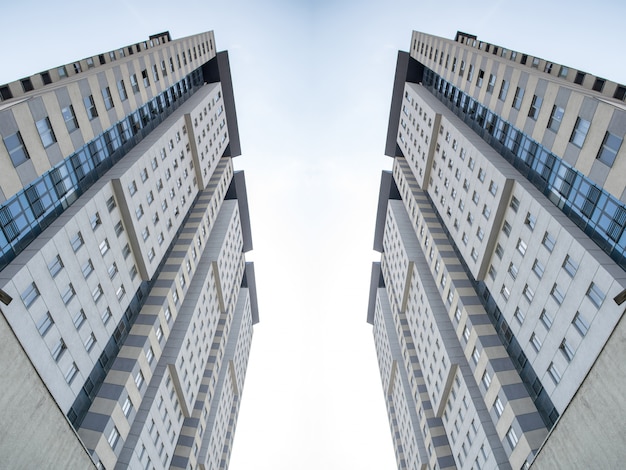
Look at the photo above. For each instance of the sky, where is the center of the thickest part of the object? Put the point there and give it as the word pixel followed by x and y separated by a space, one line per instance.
pixel 312 83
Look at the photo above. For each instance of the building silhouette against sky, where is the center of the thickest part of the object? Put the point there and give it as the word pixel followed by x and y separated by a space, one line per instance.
pixel 501 233
pixel 123 235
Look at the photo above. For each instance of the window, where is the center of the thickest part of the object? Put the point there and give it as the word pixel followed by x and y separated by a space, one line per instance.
pixel 134 84
pixel 70 118
pixel 580 324
pixel 595 294
pixel 96 294
pixel 121 88
pixel 493 189
pixel 139 212
pixel 580 132
pixel 497 406
pixel 499 251
pixel 30 294
pixel 546 319
pixel 139 379
pixel 114 436
pixel 120 292
pixel 127 407
pixel 69 294
pixel 491 83
pixel 521 246
pixel 486 380
pixel 517 99
pixel 530 221
pixel 554 373
pixel 535 107
pixel 104 246
pixel 555 118
pixel 548 241
pixel 557 294
pixel 71 373
pixel 506 293
pixel 106 315
pixel 506 228
pixel 475 197
pixel 150 355
pixel 144 76
pixel 466 333
pixel 95 221
pixel 55 266
pixel 610 146
pixel 480 78
pixel 476 355
pixel 90 342
pixel 132 188
pixel 119 228
pixel 504 88
pixel 111 204
pixel 528 293
pixel 112 270
pixel 513 270
pixel 567 350
pixel 536 342
pixel 492 272
pixel 486 211
pixel 15 147
pixel 519 315
pixel 79 319
pixel 108 99
pixel 538 268
pixel 90 107
pixel 511 436
pixel 570 266
pixel 159 333
pixel 155 73
pixel 45 324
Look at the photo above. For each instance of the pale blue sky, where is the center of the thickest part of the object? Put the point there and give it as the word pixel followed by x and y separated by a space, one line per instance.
pixel 312 86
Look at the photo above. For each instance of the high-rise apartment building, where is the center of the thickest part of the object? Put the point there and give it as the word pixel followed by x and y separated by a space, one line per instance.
pixel 123 233
pixel 501 233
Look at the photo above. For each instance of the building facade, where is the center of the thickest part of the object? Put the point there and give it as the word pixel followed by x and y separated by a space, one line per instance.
pixel 501 233
pixel 124 228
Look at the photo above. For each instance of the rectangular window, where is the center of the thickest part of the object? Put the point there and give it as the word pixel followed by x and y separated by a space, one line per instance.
pixel 90 342
pixel 555 118
pixel 517 99
pixel 499 251
pixel 610 146
pixel 144 76
pixel 535 107
pixel 79 319
pixel 155 73
pixel 126 409
pixel 16 148
pixel 513 270
pixel 497 406
pixel 90 107
pixel 106 315
pixel 45 324
pixel 55 266
pixel 506 228
pixel 521 246
pixel 491 84
pixel 519 315
pixel 538 268
pixel 580 132
pixel 480 78
pixel 114 436
pixel 548 241
pixel 70 375
pixel 554 373
pixel 121 88
pixel 504 88
pixel 69 294
pixel 546 319
pixel 580 324
pixel 528 293
pixel 134 84
pixel 108 99
pixel 70 118
pixel 486 380
pixel 557 294
pixel 570 266
pixel 511 436
pixel 104 246
pixel 530 221
pixel 30 294
pixel 139 379
pixel 506 293
pixel 595 294
pixel 96 294
pixel 567 350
